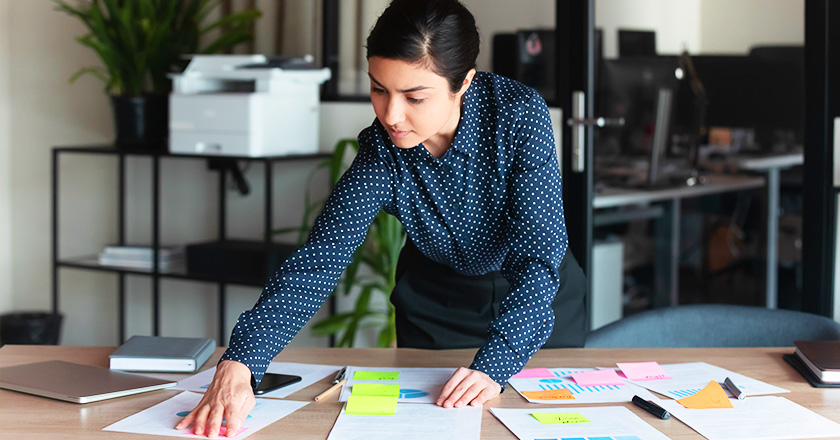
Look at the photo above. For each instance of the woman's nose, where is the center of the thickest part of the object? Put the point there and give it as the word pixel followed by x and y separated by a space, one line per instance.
pixel 394 113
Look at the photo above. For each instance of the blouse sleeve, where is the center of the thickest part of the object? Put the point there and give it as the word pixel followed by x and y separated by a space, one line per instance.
pixel 296 291
pixel 537 242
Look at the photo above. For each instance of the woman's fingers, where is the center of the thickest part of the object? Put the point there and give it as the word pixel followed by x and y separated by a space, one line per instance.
pixel 465 386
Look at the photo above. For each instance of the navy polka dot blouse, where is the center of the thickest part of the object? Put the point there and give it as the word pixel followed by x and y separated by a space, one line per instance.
pixel 491 202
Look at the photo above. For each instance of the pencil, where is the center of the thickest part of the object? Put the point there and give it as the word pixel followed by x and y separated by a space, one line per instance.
pixel 330 390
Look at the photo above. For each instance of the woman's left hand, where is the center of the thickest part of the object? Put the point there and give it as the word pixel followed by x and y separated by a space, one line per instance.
pixel 468 387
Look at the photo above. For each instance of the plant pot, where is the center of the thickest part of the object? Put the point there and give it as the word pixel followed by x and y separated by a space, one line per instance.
pixel 141 122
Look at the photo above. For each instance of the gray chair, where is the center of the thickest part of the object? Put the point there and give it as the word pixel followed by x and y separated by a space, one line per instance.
pixel 714 325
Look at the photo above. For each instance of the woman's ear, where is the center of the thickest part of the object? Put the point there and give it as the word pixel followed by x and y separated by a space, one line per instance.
pixel 467 81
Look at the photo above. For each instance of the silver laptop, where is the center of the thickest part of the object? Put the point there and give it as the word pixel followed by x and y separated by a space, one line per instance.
pixel 76 383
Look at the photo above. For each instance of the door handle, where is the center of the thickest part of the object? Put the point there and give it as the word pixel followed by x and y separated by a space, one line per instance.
pixel 597 122
pixel 579 122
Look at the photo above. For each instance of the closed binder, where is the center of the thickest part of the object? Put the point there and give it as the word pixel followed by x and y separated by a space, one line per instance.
pixel 161 353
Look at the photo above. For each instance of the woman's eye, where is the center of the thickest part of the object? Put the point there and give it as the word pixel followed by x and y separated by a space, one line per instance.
pixel 415 100
pixel 377 90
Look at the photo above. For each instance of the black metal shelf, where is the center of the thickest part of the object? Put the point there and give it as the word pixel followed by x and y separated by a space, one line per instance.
pixel 157 155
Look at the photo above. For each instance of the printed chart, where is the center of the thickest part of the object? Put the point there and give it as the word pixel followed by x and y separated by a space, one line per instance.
pixel 162 418
pixel 594 423
pixel 689 378
pixel 417 385
pixel 539 389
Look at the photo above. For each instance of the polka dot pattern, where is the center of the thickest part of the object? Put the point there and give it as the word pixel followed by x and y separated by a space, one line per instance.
pixel 491 202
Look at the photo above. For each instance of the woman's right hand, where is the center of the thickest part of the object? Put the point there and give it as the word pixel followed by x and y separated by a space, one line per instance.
pixel 229 395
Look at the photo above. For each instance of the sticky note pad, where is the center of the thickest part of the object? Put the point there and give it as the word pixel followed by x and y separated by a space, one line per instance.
pixel 562 418
pixel 597 377
pixel 559 394
pixel 376 375
pixel 712 396
pixel 371 405
pixel 643 371
pixel 376 389
pixel 529 373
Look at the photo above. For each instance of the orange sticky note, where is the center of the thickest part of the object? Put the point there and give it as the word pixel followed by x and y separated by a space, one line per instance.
pixel 712 396
pixel 559 394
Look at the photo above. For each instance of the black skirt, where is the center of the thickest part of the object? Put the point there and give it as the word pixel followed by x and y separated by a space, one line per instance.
pixel 439 308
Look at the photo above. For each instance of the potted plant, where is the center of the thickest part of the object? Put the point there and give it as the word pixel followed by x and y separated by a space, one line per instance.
pixel 139 43
pixel 372 271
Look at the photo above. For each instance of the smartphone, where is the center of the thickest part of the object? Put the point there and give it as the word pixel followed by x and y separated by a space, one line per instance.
pixel 273 381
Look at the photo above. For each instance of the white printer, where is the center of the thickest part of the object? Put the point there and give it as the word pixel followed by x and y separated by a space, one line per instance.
pixel 244 105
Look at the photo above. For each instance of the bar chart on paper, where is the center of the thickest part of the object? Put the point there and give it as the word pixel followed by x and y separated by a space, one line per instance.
pixel 556 385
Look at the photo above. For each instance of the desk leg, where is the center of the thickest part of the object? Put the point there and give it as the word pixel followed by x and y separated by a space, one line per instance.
pixel 666 260
pixel 772 206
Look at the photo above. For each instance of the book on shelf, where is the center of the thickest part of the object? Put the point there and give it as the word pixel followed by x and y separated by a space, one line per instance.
pixel 821 357
pixel 162 353
pixel 163 266
pixel 143 253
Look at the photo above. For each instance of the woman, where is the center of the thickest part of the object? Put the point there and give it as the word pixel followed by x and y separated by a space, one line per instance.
pixel 466 161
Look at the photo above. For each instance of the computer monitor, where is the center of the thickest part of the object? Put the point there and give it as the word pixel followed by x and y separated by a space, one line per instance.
pixel 629 89
pixel 635 43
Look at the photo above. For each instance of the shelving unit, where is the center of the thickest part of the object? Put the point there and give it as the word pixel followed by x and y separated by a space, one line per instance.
pixel 91 262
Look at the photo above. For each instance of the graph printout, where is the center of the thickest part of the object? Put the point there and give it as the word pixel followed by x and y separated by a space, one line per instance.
pixel 603 423
pixel 309 373
pixel 411 422
pixel 162 418
pixel 755 418
pixel 689 378
pixel 537 389
pixel 417 385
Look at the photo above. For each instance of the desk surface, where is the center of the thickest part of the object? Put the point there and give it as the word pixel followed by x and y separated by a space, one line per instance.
pixel 611 197
pixel 31 417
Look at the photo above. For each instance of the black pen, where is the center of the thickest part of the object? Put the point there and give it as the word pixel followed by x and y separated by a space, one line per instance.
pixel 651 407
pixel 340 375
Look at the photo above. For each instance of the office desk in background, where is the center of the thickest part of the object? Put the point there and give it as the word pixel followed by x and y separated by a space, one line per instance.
pixel 664 205
pixel 26 416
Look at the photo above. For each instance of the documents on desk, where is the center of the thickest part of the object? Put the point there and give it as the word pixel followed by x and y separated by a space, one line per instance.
pixel 417 385
pixel 309 374
pixel 607 422
pixel 689 378
pixel 420 421
pixel 543 387
pixel 161 418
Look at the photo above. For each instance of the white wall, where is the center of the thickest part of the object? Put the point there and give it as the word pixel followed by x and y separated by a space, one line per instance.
pixel 5 162
pixel 676 22
pixel 734 26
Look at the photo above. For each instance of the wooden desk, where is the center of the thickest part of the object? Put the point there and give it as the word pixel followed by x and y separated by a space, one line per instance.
pixel 31 417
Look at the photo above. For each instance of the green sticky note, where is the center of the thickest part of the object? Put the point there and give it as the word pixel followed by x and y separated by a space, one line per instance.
pixel 376 389
pixel 371 405
pixel 562 418
pixel 376 375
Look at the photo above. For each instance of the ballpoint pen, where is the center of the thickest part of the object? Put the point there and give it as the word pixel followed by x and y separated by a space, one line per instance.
pixel 338 382
pixel 651 407
pixel 339 375
pixel 736 392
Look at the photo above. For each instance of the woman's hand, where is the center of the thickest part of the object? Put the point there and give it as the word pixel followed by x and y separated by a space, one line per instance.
pixel 468 387
pixel 229 396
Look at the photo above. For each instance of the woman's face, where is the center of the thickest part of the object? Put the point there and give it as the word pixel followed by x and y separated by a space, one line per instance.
pixel 414 104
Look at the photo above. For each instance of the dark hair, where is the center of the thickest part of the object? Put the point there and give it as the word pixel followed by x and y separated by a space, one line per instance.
pixel 438 33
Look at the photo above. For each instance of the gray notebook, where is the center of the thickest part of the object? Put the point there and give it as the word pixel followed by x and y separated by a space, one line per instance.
pixel 162 353
pixel 76 383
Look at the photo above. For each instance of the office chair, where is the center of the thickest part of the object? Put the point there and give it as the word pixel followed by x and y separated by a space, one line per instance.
pixel 714 325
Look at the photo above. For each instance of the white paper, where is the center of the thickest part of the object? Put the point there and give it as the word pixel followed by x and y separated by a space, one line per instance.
pixel 417 385
pixel 309 373
pixel 420 422
pixel 162 418
pixel 764 417
pixel 689 378
pixel 614 422
pixel 563 379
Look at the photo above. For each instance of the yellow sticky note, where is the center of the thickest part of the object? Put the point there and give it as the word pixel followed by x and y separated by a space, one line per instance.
pixel 376 389
pixel 712 396
pixel 562 418
pixel 376 375
pixel 371 405
pixel 559 394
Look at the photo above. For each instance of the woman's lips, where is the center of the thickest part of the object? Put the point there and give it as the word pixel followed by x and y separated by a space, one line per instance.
pixel 399 134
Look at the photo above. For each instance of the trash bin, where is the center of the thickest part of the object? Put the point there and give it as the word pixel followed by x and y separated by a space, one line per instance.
pixel 38 328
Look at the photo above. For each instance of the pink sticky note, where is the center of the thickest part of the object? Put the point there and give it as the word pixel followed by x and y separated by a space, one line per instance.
pixel 530 373
pixel 597 377
pixel 643 371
